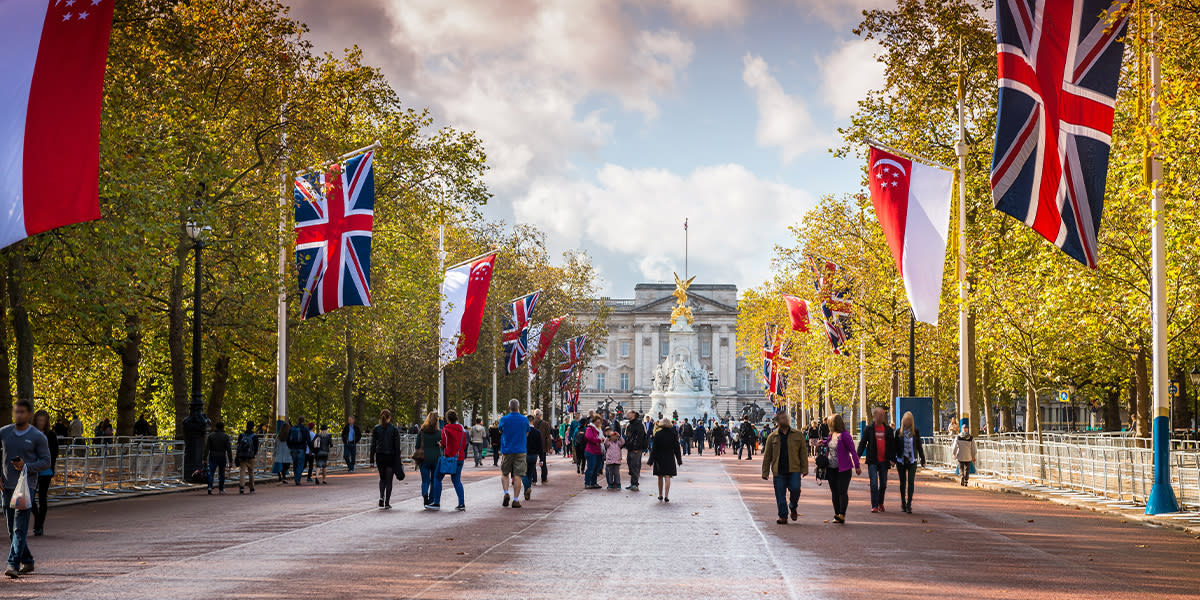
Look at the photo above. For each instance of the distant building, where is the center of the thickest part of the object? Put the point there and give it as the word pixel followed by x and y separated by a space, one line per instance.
pixel 637 341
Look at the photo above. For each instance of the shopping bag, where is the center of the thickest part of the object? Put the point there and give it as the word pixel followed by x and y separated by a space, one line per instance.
pixel 22 499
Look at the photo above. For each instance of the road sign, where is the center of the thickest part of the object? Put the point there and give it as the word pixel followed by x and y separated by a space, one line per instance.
pixel 1173 389
pixel 1064 396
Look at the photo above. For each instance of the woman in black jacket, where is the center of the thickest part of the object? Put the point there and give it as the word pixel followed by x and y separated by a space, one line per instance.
pixel 908 451
pixel 664 456
pixel 385 453
pixel 41 420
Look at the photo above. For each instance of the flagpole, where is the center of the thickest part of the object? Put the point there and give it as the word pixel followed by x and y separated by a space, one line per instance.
pixel 685 248
pixel 960 149
pixel 862 341
pixel 1162 496
pixel 441 366
pixel 281 358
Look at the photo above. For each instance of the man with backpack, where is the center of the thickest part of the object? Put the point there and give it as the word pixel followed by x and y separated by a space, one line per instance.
pixel 635 446
pixel 297 442
pixel 247 450
pixel 685 437
pixel 747 438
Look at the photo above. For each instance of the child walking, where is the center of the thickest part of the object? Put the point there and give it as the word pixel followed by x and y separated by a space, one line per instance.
pixel 613 442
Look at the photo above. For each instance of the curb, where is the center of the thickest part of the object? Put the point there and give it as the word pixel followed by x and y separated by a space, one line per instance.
pixel 1124 515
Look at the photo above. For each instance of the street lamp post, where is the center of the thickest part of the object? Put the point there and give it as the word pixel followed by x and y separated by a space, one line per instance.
pixel 1194 377
pixel 195 424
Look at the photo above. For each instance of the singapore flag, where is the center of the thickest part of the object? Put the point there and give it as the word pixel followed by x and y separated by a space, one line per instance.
pixel 912 203
pixel 464 296
pixel 54 54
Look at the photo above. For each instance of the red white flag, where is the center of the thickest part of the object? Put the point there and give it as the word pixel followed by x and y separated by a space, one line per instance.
pixel 464 296
pixel 912 203
pixel 798 310
pixel 540 339
pixel 53 72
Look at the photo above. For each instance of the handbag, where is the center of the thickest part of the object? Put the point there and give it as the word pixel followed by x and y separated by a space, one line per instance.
pixel 418 455
pixel 447 465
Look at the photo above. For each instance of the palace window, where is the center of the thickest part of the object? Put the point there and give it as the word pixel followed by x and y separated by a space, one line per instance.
pixel 624 382
pixel 600 381
pixel 664 348
pixel 705 349
pixel 624 349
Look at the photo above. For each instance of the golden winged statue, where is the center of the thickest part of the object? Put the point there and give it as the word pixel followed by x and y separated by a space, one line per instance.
pixel 680 293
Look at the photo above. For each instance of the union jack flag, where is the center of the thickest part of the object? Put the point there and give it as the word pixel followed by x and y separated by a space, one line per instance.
pixel 1058 67
pixel 775 359
pixel 836 306
pixel 572 352
pixel 335 212
pixel 569 384
pixel 516 331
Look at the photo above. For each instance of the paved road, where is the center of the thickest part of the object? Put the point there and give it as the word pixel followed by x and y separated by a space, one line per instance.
pixel 717 538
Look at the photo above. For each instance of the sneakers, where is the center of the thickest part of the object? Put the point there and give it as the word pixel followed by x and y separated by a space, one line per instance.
pixel 12 571
pixel 506 500
pixel 633 488
pixel 875 509
pixel 435 506
pixel 26 568
pixel 516 504
pixel 460 508
pixel 527 493
pixel 881 509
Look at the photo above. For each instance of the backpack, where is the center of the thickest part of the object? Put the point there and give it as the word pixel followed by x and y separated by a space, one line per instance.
pixel 245 446
pixel 296 436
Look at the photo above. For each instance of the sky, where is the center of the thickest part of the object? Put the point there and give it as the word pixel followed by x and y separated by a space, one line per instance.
pixel 607 123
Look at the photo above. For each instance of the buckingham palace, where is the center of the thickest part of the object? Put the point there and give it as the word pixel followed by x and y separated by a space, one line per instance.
pixel 622 371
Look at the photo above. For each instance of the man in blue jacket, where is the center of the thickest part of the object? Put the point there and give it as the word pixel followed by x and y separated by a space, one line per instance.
pixel 514 427
pixel 24 449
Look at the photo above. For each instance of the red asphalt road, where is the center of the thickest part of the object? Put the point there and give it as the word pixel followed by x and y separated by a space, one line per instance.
pixel 717 538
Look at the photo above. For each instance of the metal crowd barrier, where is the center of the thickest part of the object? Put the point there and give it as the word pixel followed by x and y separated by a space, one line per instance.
pixel 1118 471
pixel 90 467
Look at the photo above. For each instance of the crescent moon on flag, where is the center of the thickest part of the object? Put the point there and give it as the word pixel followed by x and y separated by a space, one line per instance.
pixel 888 161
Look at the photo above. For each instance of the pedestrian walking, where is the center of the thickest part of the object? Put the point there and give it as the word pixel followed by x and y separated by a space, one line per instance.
pixel 842 459
pixel 478 439
pixel 747 438
pixel 454 455
pixel 665 457
pixel 494 438
pixel 593 453
pixel 385 455
pixel 351 435
pixel 699 435
pixel 514 432
pixel 878 447
pixel 685 437
pixel 963 451
pixel 25 451
pixel 543 427
pixel 141 428
pixel 219 451
pixel 283 454
pixel 429 449
pixel 909 450
pixel 298 442
pixel 322 446
pixel 247 450
pixel 785 462
pixel 75 430
pixel 310 454
pixel 579 441
pixel 533 448
pixel 635 447
pixel 41 420
pixel 613 442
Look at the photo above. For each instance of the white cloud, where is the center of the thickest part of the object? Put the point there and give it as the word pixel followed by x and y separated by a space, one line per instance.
pixel 784 121
pixel 708 13
pixel 849 73
pixel 639 213
pixel 841 13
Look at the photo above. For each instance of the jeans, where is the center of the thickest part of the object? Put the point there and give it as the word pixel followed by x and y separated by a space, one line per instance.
pixel 431 486
pixel 784 484
pixel 350 455
pixel 545 468
pixel 633 458
pixel 612 475
pixel 455 480
pixel 964 469
pixel 907 474
pixel 18 527
pixel 687 446
pixel 477 453
pixel 530 476
pixel 495 455
pixel 878 474
pixel 700 446
pixel 385 463
pixel 215 466
pixel 839 488
pixel 593 466
pixel 298 463
pixel 39 501
pixel 749 447
pixel 246 471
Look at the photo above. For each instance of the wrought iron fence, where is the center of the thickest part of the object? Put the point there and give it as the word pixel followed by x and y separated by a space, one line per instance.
pixel 1107 466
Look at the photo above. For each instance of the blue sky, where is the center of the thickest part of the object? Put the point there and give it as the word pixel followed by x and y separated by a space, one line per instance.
pixel 606 123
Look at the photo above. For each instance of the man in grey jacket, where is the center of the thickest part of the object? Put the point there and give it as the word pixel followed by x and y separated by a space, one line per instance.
pixel 24 448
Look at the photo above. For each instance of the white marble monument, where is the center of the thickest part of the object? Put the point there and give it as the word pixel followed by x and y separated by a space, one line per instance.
pixel 681 384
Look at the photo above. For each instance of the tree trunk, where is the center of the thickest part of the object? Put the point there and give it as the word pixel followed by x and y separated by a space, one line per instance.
pixel 130 353
pixel 175 328
pixel 1112 409
pixel 972 375
pixel 985 394
pixel 1033 410
pixel 216 400
pixel 20 318
pixel 1182 416
pixel 1143 393
pixel 5 377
